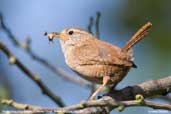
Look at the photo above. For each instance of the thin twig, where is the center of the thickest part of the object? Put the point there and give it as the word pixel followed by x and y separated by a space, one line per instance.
pixel 10 35
pixel 90 25
pixel 35 78
pixel 97 25
pixel 26 46
pixel 20 106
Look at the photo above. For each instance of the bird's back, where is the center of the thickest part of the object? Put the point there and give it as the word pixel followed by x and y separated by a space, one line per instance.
pixel 93 59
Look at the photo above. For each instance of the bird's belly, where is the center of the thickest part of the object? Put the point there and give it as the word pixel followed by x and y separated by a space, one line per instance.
pixel 95 73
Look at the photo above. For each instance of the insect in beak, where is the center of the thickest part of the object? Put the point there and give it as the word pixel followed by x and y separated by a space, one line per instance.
pixel 51 36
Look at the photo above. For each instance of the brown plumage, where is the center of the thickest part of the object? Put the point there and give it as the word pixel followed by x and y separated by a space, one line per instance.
pixel 96 60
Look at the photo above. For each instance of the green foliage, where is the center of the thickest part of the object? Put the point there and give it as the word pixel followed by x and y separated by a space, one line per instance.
pixel 135 13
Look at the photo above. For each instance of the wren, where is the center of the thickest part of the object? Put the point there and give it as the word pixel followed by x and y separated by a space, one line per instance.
pixel 96 60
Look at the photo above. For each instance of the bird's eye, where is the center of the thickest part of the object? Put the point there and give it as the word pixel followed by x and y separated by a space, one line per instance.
pixel 70 32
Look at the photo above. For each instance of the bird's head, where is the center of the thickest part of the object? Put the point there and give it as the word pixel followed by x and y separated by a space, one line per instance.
pixel 70 35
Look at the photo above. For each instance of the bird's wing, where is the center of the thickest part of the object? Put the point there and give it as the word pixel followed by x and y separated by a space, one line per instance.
pixel 99 52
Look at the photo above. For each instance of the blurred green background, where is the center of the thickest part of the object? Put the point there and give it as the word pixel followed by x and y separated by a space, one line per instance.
pixel 120 20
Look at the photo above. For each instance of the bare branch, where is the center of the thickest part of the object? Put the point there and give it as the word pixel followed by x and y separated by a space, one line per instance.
pixel 35 78
pixel 20 106
pixel 90 25
pixel 97 25
pixel 147 89
pixel 26 46
pixel 107 103
pixel 103 102
pixel 10 35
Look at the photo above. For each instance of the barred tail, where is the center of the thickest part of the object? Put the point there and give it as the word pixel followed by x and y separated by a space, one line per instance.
pixel 140 34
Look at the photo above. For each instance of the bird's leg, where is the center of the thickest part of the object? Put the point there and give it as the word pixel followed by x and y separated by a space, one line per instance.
pixel 105 81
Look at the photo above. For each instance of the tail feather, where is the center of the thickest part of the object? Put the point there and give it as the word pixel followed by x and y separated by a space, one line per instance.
pixel 139 35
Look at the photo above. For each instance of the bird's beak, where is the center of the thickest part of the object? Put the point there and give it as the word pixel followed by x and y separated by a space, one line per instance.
pixel 55 35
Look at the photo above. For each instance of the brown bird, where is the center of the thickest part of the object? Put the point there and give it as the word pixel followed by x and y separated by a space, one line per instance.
pixel 96 60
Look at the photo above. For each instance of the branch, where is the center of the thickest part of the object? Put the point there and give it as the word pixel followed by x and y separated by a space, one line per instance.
pixel 107 103
pixel 20 106
pixel 35 78
pixel 147 89
pixel 110 102
pixel 97 25
pixel 26 46
pixel 103 102
pixel 90 25
pixel 10 35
